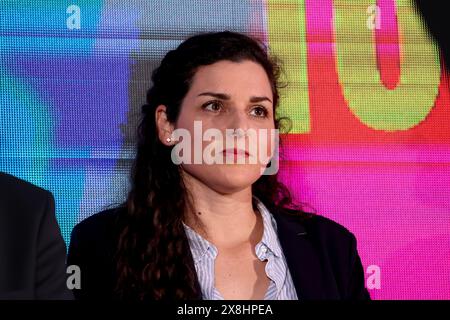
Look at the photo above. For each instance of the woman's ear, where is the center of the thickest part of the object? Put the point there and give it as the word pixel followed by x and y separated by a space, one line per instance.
pixel 164 127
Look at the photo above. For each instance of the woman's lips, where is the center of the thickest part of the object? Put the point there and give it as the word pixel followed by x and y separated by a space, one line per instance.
pixel 236 151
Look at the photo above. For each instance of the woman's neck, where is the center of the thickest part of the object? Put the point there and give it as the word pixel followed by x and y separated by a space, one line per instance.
pixel 226 220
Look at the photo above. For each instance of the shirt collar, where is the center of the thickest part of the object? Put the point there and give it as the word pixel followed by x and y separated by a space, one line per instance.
pixel 270 238
pixel 199 245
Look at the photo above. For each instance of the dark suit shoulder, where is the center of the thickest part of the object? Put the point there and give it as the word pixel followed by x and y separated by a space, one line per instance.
pixel 28 221
pixel 328 228
pixel 20 192
pixel 95 237
pixel 92 248
pixel 102 219
pixel 340 250
pixel 23 206
pixel 313 224
pixel 12 184
pixel 333 269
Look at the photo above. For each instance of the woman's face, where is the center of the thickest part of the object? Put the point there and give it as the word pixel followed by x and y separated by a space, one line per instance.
pixel 229 95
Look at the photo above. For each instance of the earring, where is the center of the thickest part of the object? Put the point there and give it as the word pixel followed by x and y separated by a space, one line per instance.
pixel 168 139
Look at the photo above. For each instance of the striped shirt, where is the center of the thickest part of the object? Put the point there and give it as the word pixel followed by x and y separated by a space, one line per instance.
pixel 281 286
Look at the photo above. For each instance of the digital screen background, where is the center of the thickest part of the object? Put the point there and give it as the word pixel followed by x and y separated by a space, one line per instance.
pixel 367 93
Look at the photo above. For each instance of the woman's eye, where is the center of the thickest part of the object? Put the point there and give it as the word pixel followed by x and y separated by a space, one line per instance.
pixel 260 112
pixel 213 106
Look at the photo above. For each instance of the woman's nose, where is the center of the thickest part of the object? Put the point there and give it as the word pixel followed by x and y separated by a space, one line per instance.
pixel 238 120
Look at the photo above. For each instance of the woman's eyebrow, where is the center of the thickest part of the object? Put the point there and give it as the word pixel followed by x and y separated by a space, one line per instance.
pixel 259 99
pixel 221 96
pixel 224 96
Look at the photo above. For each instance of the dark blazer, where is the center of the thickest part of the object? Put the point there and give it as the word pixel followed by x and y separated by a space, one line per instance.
pixel 32 250
pixel 321 256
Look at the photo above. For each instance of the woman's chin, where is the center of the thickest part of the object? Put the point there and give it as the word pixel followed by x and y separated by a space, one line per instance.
pixel 237 175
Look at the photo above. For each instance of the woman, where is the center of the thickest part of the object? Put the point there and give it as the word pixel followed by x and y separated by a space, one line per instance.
pixel 212 230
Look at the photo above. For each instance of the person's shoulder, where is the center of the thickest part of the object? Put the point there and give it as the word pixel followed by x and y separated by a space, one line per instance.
pixel 11 186
pixel 319 226
pixel 329 228
pixel 98 226
pixel 92 248
pixel 100 220
pixel 23 202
